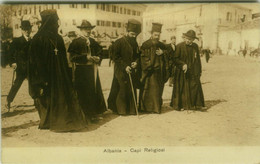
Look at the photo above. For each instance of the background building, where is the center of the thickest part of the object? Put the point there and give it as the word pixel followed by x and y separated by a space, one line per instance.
pixel 110 19
pixel 207 19
pixel 226 26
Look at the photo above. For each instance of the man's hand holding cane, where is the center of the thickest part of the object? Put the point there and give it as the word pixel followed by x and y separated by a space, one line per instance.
pixel 129 70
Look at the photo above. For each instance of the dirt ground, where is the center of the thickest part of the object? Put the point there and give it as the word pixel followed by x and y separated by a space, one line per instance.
pixel 231 86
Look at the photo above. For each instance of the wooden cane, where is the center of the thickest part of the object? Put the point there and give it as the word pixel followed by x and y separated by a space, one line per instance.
pixel 131 83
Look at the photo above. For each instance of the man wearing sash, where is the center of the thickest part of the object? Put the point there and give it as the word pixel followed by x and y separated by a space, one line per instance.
pixel 154 63
pixel 187 91
pixel 86 53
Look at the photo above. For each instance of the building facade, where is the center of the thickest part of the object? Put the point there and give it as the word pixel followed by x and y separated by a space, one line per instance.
pixel 207 19
pixel 109 19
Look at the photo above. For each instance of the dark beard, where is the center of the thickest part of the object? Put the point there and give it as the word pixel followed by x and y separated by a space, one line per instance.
pixel 155 41
pixel 132 41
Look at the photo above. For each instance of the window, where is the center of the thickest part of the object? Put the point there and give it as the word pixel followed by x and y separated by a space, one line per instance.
pixel 200 11
pixel 121 10
pixel 73 22
pixel 16 26
pixel 113 9
pixel 52 6
pixel 98 6
pixel 14 13
pixel 40 8
pixel 228 15
pixel 124 10
pixel 138 13
pixel 119 24
pixel 30 10
pixel 58 6
pixel 113 24
pixel 34 10
pixel 108 23
pixel 73 6
pixel 25 11
pixel 133 12
pixel 117 9
pixel 108 8
pixel 103 7
pixel 102 23
pixel 98 22
pixel 128 11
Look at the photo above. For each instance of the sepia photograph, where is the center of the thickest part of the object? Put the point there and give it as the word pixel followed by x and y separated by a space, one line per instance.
pixel 130 82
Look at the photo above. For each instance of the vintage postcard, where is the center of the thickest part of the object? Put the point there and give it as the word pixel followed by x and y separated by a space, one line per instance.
pixel 130 82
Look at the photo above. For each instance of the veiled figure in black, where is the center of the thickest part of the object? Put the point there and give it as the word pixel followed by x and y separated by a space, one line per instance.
pixel 49 81
pixel 187 91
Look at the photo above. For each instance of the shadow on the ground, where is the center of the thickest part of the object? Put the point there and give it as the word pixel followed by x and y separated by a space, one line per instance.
pixel 106 118
pixel 18 112
pixel 6 131
pixel 206 82
pixel 166 108
pixel 211 103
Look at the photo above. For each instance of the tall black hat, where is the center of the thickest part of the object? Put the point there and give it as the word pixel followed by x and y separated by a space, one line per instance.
pixel 156 27
pixel 26 25
pixel 134 26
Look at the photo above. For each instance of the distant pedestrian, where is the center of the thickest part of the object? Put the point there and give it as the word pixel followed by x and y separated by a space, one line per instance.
pixel 206 52
pixel 187 91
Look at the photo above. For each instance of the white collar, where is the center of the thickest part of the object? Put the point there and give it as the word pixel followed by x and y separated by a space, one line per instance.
pixel 26 37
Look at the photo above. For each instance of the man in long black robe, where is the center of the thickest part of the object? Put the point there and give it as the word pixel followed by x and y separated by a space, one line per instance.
pixel 187 91
pixel 154 64
pixel 86 53
pixel 126 57
pixel 49 81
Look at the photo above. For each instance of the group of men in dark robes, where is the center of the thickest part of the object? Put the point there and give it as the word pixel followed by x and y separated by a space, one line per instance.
pixel 150 67
pixel 67 99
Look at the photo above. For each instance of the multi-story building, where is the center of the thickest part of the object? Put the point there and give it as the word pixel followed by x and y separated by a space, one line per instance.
pixel 207 19
pixel 110 19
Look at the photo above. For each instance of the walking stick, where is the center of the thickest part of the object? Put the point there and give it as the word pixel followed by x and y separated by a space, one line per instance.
pixel 131 83
pixel 14 70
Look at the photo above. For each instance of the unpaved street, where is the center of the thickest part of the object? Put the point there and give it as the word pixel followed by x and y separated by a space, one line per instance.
pixel 231 88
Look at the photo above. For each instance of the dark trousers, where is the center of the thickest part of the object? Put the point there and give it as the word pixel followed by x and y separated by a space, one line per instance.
pixel 20 77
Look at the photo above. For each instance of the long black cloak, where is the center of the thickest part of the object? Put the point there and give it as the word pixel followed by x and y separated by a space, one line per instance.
pixel 58 106
pixel 187 91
